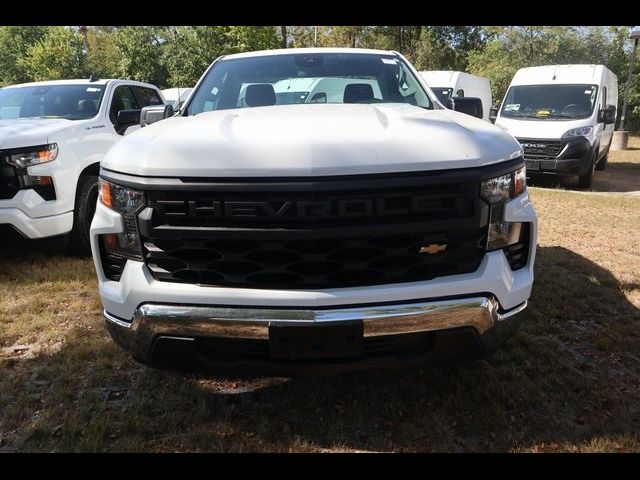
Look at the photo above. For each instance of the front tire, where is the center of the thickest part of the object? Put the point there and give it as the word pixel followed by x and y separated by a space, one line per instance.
pixel 586 181
pixel 602 164
pixel 85 208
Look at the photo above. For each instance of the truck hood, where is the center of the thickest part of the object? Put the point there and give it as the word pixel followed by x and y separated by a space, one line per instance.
pixel 27 132
pixel 311 140
pixel 542 129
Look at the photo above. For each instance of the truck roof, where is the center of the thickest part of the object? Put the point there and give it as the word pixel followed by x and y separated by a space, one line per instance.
pixel 445 78
pixel 573 73
pixel 82 81
pixel 286 51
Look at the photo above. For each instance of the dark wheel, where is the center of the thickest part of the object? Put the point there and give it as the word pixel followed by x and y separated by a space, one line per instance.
pixel 602 164
pixel 86 199
pixel 586 180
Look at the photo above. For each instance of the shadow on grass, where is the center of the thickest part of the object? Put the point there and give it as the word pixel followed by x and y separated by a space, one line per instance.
pixel 558 382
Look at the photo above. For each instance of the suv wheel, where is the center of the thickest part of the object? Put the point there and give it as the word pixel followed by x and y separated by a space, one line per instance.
pixel 86 199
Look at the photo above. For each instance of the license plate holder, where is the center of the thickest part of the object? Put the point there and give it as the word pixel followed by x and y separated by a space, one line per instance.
pixel 302 342
pixel 532 164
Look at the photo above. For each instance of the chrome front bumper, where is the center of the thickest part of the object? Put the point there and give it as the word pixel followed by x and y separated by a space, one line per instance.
pixel 153 321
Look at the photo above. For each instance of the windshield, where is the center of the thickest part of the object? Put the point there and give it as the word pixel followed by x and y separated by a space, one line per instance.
pixel 553 102
pixel 443 93
pixel 307 78
pixel 73 102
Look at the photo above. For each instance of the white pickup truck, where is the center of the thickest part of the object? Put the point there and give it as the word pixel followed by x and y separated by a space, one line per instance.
pixel 368 227
pixel 52 138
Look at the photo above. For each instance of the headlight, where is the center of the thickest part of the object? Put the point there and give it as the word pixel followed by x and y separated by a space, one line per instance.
pixel 578 132
pixel 26 157
pixel 128 203
pixel 496 192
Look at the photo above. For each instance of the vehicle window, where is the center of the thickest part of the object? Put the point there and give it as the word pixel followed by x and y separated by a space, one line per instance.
pixel 123 99
pixel 149 96
pixel 443 93
pixel 71 102
pixel 550 101
pixel 308 78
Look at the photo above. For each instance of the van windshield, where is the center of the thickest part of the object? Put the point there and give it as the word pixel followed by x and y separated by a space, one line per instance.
pixel 72 102
pixel 550 102
pixel 307 78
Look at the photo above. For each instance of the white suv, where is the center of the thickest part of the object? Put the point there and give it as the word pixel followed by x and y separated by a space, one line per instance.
pixel 286 229
pixel 52 138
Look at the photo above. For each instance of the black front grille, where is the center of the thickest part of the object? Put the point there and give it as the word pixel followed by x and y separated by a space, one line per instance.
pixel 314 263
pixel 541 149
pixel 311 235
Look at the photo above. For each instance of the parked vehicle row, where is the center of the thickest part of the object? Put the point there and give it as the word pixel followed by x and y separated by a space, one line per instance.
pixel 302 208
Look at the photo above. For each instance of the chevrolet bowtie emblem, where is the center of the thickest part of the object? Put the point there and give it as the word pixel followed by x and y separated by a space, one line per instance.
pixel 433 248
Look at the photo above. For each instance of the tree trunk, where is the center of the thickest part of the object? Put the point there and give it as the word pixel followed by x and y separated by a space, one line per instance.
pixel 283 30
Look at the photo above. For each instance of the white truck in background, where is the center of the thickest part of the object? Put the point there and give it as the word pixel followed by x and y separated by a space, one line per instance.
pixel 176 96
pixel 447 84
pixel 52 137
pixel 563 116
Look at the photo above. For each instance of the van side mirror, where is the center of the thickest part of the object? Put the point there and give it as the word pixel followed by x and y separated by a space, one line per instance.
pixel 493 113
pixel 607 115
pixel 155 113
pixel 469 105
pixel 126 118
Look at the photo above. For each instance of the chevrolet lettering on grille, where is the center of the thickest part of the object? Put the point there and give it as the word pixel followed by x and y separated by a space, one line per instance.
pixel 305 209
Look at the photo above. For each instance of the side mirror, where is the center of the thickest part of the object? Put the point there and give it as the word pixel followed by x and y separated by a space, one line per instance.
pixel 469 105
pixel 607 115
pixel 126 118
pixel 155 113
pixel 493 113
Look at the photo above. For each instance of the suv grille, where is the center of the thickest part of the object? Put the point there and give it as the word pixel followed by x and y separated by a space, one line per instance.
pixel 301 234
pixel 541 149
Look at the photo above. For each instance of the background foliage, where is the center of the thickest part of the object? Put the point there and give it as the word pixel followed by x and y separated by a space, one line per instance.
pixel 178 55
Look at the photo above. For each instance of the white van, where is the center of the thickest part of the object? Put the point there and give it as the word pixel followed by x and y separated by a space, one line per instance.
pixel 446 84
pixel 563 116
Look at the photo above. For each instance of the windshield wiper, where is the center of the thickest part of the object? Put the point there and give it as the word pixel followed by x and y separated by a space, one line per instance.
pixel 561 115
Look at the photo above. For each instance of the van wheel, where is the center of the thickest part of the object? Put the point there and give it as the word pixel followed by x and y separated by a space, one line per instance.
pixel 602 164
pixel 86 199
pixel 586 180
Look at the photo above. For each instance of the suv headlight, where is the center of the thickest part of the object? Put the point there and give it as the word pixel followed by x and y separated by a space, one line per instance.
pixel 578 132
pixel 26 157
pixel 496 192
pixel 127 202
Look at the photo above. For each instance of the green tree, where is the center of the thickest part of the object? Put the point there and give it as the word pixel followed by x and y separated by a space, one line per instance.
pixel 140 52
pixel 190 50
pixel 57 55
pixel 14 43
pixel 103 56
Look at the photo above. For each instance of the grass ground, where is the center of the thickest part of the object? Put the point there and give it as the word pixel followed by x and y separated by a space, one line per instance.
pixel 569 380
